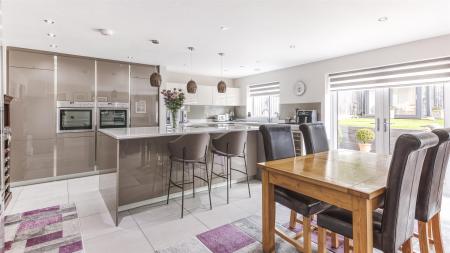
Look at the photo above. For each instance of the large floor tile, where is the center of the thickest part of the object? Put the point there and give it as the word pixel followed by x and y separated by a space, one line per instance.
pixel 158 213
pixel 119 242
pixel 102 223
pixel 89 206
pixel 44 190
pixel 83 184
pixel 221 215
pixel 170 233
pixel 36 203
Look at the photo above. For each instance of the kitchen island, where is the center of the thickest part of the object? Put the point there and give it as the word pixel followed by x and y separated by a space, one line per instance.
pixel 134 163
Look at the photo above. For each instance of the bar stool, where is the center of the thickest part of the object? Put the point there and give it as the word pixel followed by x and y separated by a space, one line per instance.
pixel 189 149
pixel 230 145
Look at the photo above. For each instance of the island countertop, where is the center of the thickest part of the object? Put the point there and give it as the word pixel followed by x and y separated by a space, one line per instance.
pixel 149 132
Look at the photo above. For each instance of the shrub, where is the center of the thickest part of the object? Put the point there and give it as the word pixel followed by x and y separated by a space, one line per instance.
pixel 365 135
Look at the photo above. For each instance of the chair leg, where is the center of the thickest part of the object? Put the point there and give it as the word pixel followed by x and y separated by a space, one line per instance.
pixel 230 172
pixel 436 226
pixel 170 182
pixel 209 185
pixel 193 180
pixel 407 246
pixel 293 219
pixel 346 245
pixel 228 179
pixel 182 194
pixel 307 234
pixel 246 173
pixel 212 168
pixel 334 240
pixel 322 233
pixel 423 237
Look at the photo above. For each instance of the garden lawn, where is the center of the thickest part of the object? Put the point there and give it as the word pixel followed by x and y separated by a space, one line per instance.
pixel 412 124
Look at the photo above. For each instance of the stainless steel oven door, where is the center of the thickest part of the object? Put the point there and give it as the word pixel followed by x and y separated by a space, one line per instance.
pixel 75 120
pixel 113 118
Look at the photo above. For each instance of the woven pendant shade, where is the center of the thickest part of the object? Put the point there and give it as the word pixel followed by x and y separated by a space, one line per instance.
pixel 155 79
pixel 221 87
pixel 191 86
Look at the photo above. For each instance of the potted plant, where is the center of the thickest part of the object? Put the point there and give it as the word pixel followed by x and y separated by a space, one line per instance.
pixel 365 138
pixel 437 112
pixel 173 99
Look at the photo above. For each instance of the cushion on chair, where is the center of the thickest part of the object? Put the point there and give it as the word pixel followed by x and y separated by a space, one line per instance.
pixel 300 203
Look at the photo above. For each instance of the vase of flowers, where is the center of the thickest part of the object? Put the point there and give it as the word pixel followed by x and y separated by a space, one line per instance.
pixel 173 99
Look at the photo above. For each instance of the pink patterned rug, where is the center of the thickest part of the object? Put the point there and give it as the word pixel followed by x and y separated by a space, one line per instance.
pixel 53 229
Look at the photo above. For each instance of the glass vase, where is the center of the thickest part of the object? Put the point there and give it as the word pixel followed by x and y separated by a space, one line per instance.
pixel 174 118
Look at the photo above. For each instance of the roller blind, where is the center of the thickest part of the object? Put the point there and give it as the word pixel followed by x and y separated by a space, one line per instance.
pixel 415 73
pixel 264 89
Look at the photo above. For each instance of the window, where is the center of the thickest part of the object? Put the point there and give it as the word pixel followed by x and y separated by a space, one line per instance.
pixel 264 101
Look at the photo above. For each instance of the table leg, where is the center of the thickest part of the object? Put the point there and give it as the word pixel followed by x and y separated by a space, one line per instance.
pixel 362 226
pixel 268 213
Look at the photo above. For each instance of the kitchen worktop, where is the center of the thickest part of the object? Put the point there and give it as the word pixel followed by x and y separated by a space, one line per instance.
pixel 149 132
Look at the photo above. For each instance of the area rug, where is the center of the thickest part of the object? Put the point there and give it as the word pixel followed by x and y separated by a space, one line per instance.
pixel 241 236
pixel 53 229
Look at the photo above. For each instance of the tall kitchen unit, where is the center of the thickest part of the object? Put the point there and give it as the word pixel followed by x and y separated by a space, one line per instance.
pixel 144 99
pixel 31 79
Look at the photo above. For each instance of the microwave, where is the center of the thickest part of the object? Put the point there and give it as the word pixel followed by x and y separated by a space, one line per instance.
pixel 112 115
pixel 74 116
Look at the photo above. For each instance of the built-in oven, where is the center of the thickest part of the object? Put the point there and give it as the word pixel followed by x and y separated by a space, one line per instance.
pixel 74 116
pixel 112 115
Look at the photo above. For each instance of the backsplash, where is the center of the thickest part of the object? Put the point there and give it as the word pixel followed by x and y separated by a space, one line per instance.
pixel 206 111
pixel 288 110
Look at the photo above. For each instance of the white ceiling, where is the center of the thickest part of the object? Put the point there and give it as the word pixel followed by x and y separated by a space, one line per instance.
pixel 259 37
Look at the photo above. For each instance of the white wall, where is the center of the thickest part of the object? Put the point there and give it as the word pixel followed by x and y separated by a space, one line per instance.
pixel 175 77
pixel 314 74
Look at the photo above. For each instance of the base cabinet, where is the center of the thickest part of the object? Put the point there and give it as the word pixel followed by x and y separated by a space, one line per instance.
pixel 75 153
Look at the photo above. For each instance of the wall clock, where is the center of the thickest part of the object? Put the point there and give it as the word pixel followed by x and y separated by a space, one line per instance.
pixel 300 88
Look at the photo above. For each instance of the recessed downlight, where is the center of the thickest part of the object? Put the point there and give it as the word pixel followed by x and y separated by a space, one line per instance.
pixel 257 69
pixel 224 28
pixel 106 31
pixel 53 45
pixel 130 58
pixel 241 66
pixel 155 42
pixel 382 19
pixel 51 35
pixel 49 21
pixel 292 46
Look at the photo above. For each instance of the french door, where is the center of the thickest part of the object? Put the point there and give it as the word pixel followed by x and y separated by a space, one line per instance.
pixel 379 116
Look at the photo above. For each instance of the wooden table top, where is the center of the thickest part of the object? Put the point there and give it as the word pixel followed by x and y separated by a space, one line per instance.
pixel 355 172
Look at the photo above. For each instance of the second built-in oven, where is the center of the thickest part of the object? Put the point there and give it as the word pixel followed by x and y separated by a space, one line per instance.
pixel 112 115
pixel 74 116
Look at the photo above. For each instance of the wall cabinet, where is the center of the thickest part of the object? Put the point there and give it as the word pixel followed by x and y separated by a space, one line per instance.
pixel 24 59
pixel 112 81
pixel 208 95
pixel 144 99
pixel 75 79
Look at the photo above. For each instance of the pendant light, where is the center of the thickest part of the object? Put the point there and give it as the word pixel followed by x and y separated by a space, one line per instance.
pixel 155 78
pixel 191 86
pixel 221 86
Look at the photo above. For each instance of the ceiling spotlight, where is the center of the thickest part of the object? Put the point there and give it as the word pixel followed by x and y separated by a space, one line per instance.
pixel 155 42
pixel 241 67
pixel 291 46
pixel 130 57
pixel 53 45
pixel 382 19
pixel 49 21
pixel 224 28
pixel 106 32
pixel 258 61
pixel 51 35
pixel 257 69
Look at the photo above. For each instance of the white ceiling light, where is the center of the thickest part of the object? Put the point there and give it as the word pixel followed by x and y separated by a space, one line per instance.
pixel 49 21
pixel 51 35
pixel 130 57
pixel 224 28
pixel 53 45
pixel 292 46
pixel 382 19
pixel 257 69
pixel 106 32
pixel 155 42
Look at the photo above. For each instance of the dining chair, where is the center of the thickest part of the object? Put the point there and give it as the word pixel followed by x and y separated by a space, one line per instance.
pixel 279 144
pixel 429 198
pixel 188 149
pixel 393 226
pixel 230 145
pixel 315 141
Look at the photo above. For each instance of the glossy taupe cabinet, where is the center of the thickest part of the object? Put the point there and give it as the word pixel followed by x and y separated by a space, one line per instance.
pixel 75 79
pixel 75 153
pixel 112 81
pixel 33 115
pixel 143 96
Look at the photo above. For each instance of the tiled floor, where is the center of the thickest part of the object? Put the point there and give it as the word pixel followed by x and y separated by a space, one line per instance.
pixel 154 227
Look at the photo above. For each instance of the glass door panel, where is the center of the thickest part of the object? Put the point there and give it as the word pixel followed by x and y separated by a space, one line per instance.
pixel 415 109
pixel 356 119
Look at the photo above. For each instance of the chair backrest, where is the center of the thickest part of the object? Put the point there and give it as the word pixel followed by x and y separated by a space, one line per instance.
pixel 232 143
pixel 402 186
pixel 315 137
pixel 432 178
pixel 194 146
pixel 278 141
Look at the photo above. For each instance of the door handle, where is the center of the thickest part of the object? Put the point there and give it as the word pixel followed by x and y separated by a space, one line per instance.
pixel 385 123
pixel 377 124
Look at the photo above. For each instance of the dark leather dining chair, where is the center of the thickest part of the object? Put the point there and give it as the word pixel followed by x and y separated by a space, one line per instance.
pixel 279 144
pixel 393 226
pixel 188 149
pixel 230 145
pixel 431 186
pixel 315 137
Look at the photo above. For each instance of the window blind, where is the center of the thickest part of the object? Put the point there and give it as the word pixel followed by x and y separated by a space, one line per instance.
pixel 264 89
pixel 415 73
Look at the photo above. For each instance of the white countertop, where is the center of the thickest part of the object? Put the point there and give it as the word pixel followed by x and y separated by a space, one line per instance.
pixel 149 132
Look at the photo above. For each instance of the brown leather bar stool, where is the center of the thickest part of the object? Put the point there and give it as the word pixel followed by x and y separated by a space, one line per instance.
pixel 189 149
pixel 279 144
pixel 431 186
pixel 393 226
pixel 230 145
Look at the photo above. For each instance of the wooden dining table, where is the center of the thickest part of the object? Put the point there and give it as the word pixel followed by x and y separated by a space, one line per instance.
pixel 353 180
